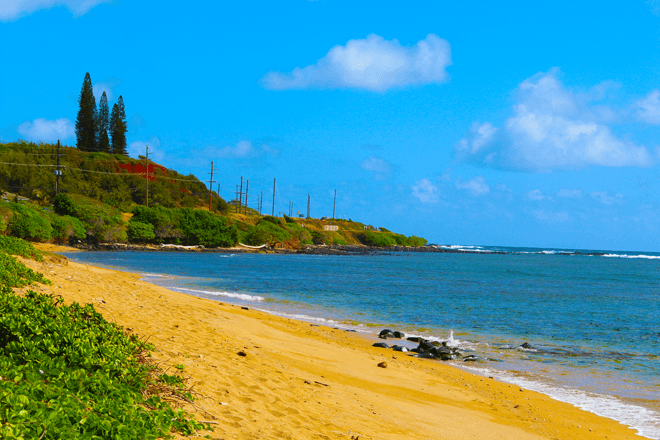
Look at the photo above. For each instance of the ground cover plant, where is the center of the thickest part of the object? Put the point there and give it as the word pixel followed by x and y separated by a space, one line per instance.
pixel 16 246
pixel 66 372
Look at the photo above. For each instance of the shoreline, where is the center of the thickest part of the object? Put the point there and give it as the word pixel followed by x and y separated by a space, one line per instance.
pixel 411 398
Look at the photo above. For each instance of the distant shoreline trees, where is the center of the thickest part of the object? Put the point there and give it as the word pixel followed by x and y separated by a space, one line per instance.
pixel 94 125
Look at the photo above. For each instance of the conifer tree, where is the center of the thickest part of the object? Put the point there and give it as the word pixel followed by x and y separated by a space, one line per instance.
pixel 103 124
pixel 118 127
pixel 86 127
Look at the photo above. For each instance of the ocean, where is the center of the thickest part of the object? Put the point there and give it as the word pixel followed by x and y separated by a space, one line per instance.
pixel 592 318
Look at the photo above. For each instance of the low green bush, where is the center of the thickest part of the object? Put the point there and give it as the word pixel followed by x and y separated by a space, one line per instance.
pixel 376 239
pixel 66 227
pixel 30 224
pixel 13 273
pixel 140 232
pixel 67 373
pixel 266 232
pixel 16 246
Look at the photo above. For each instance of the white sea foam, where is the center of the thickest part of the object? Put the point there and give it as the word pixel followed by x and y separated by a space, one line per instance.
pixel 153 275
pixel 645 421
pixel 646 257
pixel 242 296
pixel 301 317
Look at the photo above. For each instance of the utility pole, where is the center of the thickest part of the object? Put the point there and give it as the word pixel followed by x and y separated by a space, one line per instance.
pixel 261 202
pixel 211 186
pixel 147 175
pixel 240 200
pixel 309 200
pixel 57 171
pixel 247 188
pixel 274 180
pixel 236 199
pixel 334 205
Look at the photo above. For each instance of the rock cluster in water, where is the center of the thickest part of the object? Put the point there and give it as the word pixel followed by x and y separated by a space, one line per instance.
pixel 425 349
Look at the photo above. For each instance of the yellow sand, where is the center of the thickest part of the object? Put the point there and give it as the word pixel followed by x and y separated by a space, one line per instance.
pixel 303 382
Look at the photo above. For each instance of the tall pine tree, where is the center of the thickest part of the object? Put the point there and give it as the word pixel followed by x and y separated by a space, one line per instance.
pixel 118 127
pixel 86 127
pixel 103 123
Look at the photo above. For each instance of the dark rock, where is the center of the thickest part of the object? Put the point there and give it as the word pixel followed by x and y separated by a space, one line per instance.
pixel 436 343
pixel 425 346
pixel 427 356
pixel 381 345
pixel 414 338
pixel 527 346
pixel 399 335
pixel 400 348
pixel 471 358
pixel 245 308
pixel 383 365
pixel 242 353
pixel 387 333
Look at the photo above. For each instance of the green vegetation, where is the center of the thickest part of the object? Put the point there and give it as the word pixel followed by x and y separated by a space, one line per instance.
pixel 99 191
pixel 182 225
pixel 13 273
pixel 68 373
pixel 16 246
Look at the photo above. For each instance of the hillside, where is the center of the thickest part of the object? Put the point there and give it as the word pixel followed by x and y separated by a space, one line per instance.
pixel 103 197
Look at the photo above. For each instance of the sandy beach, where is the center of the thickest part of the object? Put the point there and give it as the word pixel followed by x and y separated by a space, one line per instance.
pixel 266 377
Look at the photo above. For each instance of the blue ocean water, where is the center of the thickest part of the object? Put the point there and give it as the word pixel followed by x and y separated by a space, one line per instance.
pixel 593 317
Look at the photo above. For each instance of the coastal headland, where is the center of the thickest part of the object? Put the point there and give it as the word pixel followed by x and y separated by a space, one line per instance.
pixel 264 376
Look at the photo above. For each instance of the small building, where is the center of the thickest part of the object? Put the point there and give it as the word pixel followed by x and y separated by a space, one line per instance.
pixel 330 227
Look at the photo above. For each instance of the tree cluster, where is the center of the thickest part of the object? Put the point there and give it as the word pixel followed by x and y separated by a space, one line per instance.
pixel 98 129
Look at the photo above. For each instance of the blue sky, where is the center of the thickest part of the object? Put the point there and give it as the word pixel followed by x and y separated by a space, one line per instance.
pixel 490 123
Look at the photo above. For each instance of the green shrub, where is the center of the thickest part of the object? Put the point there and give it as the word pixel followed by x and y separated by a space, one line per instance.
pixel 266 232
pixel 319 237
pixel 376 239
pixel 67 227
pixel 207 229
pixel 16 246
pixel 340 241
pixel 271 219
pixel 140 232
pixel 13 273
pixel 64 205
pixel 29 224
pixel 413 240
pixel 165 222
pixel 68 373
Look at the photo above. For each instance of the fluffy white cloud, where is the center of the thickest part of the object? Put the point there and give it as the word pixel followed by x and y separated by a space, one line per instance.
pixel 570 193
pixel 373 64
pixel 476 186
pixel 551 128
pixel 548 216
pixel 139 148
pixel 11 10
pixel 425 191
pixel 605 198
pixel 648 108
pixel 47 131
pixel 536 196
pixel 380 168
pixel 241 150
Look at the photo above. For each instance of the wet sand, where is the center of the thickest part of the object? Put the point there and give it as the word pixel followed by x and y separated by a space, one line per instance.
pixel 298 381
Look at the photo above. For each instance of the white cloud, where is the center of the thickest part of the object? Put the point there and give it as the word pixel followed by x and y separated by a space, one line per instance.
pixel 536 196
pixel 11 10
pixel 381 168
pixel 476 186
pixel 241 150
pixel 139 148
pixel 551 128
pixel 425 191
pixel 555 217
pixel 373 64
pixel 605 198
pixel 47 131
pixel 648 108
pixel 570 193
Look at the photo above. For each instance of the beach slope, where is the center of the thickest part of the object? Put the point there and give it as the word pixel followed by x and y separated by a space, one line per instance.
pixel 261 376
